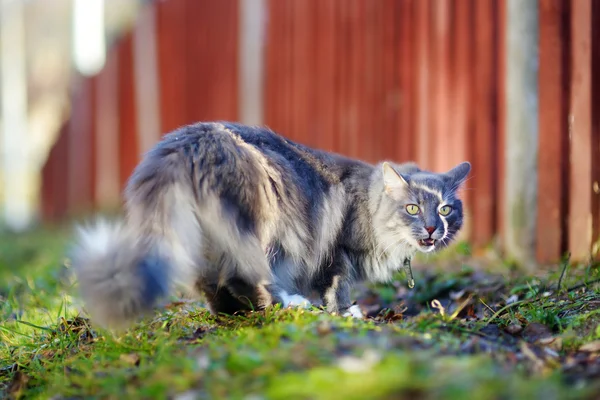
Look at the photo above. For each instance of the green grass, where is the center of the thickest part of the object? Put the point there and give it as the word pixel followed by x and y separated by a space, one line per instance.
pixel 448 338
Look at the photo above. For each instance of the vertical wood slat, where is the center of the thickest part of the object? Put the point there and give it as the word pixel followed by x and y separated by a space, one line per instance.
pixel 390 78
pixel 106 144
pixel 287 94
pixel 273 71
pixel 405 147
pixel 422 79
pixel 54 191
pixel 128 144
pixel 302 72
pixel 441 36
pixel 501 21
pixel 172 65
pixel 80 174
pixel 595 122
pixel 343 120
pixel 356 48
pixel 462 81
pixel 553 138
pixel 325 70
pixel 580 119
pixel 212 29
pixel 483 152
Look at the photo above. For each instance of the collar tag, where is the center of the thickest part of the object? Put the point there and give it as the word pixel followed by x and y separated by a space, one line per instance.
pixel 409 275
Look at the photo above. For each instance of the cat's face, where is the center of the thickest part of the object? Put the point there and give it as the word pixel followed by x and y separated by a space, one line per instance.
pixel 423 208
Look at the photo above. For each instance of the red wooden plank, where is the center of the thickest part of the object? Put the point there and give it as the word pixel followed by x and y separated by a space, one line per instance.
pixel 301 75
pixel 273 70
pixel 81 125
pixel 54 191
pixel 106 143
pixel 355 29
pixel 212 29
pixel 485 134
pixel 553 138
pixel 199 24
pixel 501 21
pixel 343 51
pixel 595 123
pixel 369 96
pixel 407 76
pixel 326 69
pixel 460 104
pixel 128 146
pixel 441 118
pixel 390 79
pixel 172 52
pixel 422 81
pixel 287 94
pixel 581 184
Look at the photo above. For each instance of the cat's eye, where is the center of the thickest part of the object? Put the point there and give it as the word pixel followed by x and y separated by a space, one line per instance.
pixel 413 209
pixel 445 210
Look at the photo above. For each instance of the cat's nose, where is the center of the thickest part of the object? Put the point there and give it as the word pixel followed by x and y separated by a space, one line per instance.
pixel 430 229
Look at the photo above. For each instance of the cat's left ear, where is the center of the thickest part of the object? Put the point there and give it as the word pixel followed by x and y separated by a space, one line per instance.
pixel 394 183
pixel 458 174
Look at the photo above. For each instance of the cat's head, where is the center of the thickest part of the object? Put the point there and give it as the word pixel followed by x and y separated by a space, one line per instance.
pixel 421 208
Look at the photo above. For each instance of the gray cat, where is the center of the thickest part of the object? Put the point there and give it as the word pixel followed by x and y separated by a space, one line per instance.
pixel 250 219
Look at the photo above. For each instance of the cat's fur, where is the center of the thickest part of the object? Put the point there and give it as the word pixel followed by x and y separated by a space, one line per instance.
pixel 249 219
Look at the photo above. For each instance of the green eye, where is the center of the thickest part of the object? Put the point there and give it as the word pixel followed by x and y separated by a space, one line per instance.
pixel 445 210
pixel 413 209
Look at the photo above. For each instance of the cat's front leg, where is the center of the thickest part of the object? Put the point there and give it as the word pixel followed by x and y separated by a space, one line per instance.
pixel 335 287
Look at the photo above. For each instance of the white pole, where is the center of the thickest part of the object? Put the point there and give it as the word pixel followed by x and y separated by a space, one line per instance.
pixel 521 130
pixel 250 64
pixel 17 194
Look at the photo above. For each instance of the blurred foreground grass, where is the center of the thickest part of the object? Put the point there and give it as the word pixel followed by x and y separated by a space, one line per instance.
pixel 460 334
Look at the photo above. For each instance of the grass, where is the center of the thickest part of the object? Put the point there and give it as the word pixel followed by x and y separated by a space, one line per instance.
pixel 469 329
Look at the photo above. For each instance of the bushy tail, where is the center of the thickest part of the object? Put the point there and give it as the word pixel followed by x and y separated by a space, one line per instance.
pixel 119 277
pixel 123 269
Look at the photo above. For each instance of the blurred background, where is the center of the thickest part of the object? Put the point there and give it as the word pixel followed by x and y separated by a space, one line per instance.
pixel 513 86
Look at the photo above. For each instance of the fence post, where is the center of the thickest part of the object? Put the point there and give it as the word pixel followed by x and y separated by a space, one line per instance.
pixel 580 119
pixel 553 153
pixel 521 134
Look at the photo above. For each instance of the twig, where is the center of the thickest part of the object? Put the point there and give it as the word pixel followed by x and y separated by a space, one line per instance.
pixel 564 269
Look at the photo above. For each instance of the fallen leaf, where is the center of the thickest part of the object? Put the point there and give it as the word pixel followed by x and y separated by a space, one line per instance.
pixel 591 347
pixel 554 343
pixel 130 358
pixel 513 329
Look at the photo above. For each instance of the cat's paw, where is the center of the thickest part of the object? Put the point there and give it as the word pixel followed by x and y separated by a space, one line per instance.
pixel 294 300
pixel 354 312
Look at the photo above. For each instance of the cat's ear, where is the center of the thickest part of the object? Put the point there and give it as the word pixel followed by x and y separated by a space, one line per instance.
pixel 458 174
pixel 394 183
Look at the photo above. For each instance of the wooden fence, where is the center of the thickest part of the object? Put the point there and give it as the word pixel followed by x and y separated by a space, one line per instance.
pixel 419 80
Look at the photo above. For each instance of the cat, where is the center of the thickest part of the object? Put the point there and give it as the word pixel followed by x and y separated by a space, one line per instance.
pixel 250 219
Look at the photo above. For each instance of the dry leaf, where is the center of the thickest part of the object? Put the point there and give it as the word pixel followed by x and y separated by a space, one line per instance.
pixel 513 329
pixel 591 347
pixel 555 343
pixel 131 358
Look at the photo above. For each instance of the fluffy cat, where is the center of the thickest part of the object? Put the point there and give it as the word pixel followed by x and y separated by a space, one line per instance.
pixel 250 219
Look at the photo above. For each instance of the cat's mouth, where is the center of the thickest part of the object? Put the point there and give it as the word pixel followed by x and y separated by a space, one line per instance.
pixel 427 242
